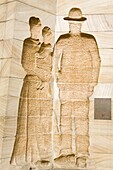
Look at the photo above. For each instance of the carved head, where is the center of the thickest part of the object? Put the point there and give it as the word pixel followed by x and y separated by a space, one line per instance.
pixel 35 27
pixel 75 20
pixel 47 35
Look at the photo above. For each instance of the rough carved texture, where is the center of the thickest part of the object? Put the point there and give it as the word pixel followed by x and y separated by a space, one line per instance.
pixel 62 137
pixel 77 68
pixel 33 137
pixel 13 30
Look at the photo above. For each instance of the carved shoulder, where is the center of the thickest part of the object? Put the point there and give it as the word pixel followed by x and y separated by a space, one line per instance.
pixel 90 39
pixel 61 41
pixel 27 40
pixel 88 36
pixel 31 42
pixel 63 37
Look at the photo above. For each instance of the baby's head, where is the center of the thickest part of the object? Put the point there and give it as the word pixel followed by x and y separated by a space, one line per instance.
pixel 47 35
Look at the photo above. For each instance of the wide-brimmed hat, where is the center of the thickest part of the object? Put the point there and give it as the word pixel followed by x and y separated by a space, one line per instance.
pixel 75 14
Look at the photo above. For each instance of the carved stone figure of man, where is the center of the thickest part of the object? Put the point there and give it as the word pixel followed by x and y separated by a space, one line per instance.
pixel 77 65
pixel 31 121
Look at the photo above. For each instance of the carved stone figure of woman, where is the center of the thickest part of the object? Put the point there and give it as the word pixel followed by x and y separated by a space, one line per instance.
pixel 26 148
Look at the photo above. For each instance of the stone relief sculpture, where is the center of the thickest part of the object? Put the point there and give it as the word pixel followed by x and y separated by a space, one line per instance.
pixel 33 137
pixel 76 69
pixel 77 65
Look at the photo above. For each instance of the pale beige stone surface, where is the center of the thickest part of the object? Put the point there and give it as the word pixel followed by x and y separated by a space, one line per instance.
pixel 7 143
pixel 2 30
pixel 103 90
pixel 14 28
pixel 4 86
pixel 98 146
pixel 92 24
pixel 9 25
pixel 44 5
pixel 106 57
pixel 15 91
pixel 7 11
pixel 98 127
pixel 11 48
pixel 5 1
pixel 106 75
pixel 88 7
pixel 9 106
pixel 101 161
pixel 3 105
pixel 46 19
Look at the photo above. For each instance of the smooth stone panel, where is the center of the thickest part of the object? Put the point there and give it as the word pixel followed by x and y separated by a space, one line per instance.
pixel 105 75
pixel 102 128
pixel 11 48
pixel 10 10
pixel 5 67
pixel 2 12
pixel 2 30
pixel 11 68
pixel 3 105
pixel 103 91
pixel 96 23
pixel 8 143
pixel 17 70
pixel 101 161
pixel 87 6
pixel 15 90
pixel 98 146
pixel 12 106
pixel 2 123
pixel 7 11
pixel 45 5
pixel 4 83
pixel 106 56
pixel 9 25
pixel 1 49
pixel 10 126
pixel 5 1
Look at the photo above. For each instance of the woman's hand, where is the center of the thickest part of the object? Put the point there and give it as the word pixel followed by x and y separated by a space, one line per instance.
pixel 40 85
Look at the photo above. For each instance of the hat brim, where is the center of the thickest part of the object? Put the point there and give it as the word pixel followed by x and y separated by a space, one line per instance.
pixel 75 19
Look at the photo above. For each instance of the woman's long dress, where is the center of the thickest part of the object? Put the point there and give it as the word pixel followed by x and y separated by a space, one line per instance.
pixel 32 112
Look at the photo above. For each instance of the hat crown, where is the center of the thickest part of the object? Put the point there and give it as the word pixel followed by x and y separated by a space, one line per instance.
pixel 75 13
